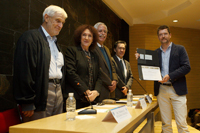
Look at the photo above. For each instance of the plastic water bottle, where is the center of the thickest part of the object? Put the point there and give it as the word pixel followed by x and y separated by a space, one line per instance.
pixel 71 107
pixel 129 99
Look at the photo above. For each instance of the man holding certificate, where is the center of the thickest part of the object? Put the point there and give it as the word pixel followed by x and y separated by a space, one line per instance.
pixel 172 89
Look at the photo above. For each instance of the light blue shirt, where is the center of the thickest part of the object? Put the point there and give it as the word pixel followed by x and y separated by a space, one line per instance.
pixel 165 60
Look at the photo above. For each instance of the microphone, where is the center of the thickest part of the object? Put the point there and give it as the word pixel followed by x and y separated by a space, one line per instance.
pixel 87 110
pixel 146 95
pixel 140 85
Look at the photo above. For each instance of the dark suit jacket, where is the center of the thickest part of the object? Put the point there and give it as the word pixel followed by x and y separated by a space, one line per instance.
pixel 105 92
pixel 31 70
pixel 62 81
pixel 77 73
pixel 122 81
pixel 179 66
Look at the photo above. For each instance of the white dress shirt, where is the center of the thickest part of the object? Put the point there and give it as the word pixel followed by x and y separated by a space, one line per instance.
pixel 57 60
pixel 99 45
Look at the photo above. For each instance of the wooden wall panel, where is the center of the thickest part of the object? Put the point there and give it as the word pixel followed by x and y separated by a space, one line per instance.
pixel 145 36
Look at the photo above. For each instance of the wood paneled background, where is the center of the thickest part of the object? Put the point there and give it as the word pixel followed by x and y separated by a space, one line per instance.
pixel 145 36
pixel 17 16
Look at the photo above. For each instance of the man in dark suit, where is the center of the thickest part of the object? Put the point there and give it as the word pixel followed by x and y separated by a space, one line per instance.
pixel 38 68
pixel 172 89
pixel 123 70
pixel 107 69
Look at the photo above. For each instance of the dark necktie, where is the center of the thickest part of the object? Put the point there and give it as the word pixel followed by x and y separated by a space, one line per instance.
pixel 107 60
pixel 122 68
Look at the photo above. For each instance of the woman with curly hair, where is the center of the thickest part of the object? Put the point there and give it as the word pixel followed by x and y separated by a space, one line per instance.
pixel 82 67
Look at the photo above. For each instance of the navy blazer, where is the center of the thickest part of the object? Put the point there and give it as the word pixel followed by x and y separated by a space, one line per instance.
pixel 179 66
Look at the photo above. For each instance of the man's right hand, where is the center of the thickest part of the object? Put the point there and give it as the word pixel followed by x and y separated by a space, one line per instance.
pixel 113 86
pixel 137 55
pixel 125 90
pixel 28 113
pixel 93 95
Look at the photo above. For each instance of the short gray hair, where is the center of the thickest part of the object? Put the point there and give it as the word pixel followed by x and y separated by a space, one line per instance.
pixel 100 23
pixel 52 9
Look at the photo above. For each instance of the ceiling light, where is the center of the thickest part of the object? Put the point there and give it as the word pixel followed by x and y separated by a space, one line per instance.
pixel 175 21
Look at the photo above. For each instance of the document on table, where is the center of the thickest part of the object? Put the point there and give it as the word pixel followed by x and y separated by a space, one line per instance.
pixel 151 73
pixel 125 101
pixel 107 105
pixel 83 117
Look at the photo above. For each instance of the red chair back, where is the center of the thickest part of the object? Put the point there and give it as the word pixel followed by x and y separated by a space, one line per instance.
pixel 8 118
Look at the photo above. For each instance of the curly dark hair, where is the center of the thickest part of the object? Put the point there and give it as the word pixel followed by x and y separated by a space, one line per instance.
pixel 80 30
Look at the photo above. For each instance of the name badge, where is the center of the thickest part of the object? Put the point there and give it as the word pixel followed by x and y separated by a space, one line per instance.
pixel 148 99
pixel 118 114
pixel 141 104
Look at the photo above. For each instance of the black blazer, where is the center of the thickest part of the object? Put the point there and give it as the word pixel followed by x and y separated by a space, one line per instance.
pixel 77 73
pixel 105 92
pixel 122 81
pixel 31 70
pixel 179 66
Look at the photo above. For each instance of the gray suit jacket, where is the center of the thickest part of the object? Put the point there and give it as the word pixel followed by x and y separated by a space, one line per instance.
pixel 105 92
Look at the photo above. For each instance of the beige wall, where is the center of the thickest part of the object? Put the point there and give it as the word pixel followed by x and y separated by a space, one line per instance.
pixel 145 36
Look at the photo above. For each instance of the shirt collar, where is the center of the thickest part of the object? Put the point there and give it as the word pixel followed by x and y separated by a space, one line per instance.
pixel 168 46
pixel 47 34
pixel 119 58
pixel 99 45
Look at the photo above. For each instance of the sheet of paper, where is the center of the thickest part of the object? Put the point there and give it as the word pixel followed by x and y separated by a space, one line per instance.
pixel 143 103
pixel 125 101
pixel 107 105
pixel 138 96
pixel 102 110
pixel 151 73
pixel 121 113
pixel 141 56
pixel 118 114
pixel 82 117
pixel 149 99
pixel 148 57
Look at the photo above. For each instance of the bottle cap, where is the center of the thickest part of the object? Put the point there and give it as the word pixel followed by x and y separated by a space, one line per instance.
pixel 71 94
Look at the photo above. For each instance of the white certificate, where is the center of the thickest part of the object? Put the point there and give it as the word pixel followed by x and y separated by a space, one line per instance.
pixel 151 73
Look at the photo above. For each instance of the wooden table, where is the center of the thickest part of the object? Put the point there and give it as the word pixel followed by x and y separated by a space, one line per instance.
pixel 58 123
